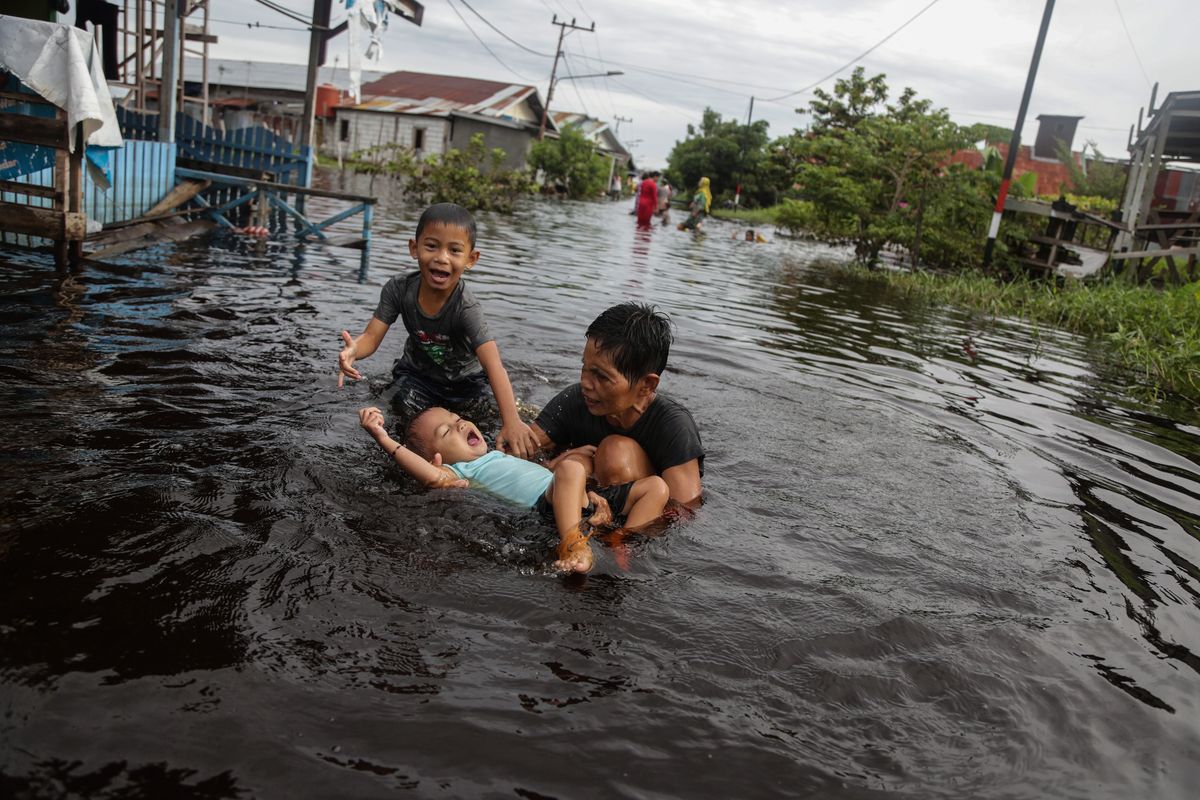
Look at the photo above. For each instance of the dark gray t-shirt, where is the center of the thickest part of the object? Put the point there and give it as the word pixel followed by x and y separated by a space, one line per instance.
pixel 665 430
pixel 442 347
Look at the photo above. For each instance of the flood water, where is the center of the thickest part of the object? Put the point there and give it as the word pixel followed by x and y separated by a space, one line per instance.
pixel 939 555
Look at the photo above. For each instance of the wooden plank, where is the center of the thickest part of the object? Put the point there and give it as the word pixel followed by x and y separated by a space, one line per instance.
pixel 33 130
pixel 153 234
pixel 23 97
pixel 178 196
pixel 16 187
pixel 48 223
pixel 1178 251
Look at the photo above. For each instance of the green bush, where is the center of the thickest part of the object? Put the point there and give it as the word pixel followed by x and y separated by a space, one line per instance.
pixel 473 178
pixel 571 160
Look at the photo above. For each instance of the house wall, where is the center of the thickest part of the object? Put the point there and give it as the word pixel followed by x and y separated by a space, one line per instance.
pixel 1053 177
pixel 515 142
pixel 353 130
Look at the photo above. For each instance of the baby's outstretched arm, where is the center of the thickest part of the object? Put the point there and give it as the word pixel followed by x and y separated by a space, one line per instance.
pixel 432 474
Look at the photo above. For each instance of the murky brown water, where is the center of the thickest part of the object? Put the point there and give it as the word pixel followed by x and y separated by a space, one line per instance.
pixel 916 574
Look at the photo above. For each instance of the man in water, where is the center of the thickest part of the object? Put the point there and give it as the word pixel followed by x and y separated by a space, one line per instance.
pixel 624 425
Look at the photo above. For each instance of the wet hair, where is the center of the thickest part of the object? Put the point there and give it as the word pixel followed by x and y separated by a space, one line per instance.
pixel 448 214
pixel 636 336
pixel 414 441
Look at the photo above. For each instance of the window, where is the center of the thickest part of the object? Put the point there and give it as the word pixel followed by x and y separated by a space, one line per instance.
pixel 418 138
pixel 344 132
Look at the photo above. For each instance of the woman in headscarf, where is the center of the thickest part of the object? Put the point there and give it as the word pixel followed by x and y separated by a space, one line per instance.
pixel 701 203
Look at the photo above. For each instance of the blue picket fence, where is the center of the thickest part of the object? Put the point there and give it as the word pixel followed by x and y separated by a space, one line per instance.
pixel 256 149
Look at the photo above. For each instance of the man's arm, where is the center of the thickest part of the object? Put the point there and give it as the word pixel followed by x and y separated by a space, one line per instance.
pixel 684 482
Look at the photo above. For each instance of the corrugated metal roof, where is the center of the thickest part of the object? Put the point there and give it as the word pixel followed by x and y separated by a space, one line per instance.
pixel 440 95
pixel 268 74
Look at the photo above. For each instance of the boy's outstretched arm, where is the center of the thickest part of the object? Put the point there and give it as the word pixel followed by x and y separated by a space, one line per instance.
pixel 515 438
pixel 354 349
pixel 433 475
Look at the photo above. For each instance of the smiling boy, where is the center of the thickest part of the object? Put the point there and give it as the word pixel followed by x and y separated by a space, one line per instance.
pixel 617 407
pixel 449 358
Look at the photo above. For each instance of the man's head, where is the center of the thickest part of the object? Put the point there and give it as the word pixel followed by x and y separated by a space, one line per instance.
pixel 626 353
pixel 436 430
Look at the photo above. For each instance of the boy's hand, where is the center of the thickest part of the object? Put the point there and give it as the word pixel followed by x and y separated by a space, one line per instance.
pixel 446 479
pixel 517 440
pixel 346 361
pixel 371 419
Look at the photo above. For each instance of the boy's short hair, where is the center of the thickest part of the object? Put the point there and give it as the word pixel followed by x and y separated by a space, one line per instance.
pixel 636 336
pixel 448 214
pixel 413 440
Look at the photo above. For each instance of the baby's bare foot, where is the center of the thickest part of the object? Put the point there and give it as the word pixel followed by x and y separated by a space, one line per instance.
pixel 574 554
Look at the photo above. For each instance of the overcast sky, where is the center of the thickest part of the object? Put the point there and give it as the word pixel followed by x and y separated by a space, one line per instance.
pixel 679 56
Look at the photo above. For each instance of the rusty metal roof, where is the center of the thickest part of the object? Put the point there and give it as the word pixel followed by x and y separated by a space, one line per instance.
pixel 440 95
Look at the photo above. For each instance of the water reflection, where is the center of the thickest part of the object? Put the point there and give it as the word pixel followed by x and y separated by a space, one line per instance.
pixel 923 568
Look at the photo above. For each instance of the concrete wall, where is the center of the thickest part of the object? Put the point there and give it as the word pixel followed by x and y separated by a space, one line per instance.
pixel 353 130
pixel 515 142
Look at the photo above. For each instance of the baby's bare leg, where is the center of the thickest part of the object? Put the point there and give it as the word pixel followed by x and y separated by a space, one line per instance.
pixel 647 499
pixel 569 496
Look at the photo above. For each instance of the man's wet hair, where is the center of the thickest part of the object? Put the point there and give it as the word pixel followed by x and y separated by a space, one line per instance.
pixel 414 441
pixel 448 214
pixel 636 336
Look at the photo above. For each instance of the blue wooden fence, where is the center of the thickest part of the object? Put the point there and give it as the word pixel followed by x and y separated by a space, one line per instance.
pixel 255 149
pixel 142 173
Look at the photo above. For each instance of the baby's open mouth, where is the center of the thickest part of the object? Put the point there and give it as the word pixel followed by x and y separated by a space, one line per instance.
pixel 472 439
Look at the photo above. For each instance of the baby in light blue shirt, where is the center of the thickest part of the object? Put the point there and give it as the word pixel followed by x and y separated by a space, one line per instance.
pixel 444 450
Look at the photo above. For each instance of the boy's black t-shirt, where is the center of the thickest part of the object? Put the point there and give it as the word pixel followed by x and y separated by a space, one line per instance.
pixel 442 347
pixel 666 430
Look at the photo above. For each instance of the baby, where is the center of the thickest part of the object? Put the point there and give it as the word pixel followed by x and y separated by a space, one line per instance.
pixel 444 450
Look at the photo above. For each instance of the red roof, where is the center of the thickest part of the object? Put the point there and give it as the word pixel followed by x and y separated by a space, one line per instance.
pixel 420 85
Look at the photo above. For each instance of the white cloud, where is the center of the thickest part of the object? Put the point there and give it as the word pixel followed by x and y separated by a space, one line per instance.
pixel 970 56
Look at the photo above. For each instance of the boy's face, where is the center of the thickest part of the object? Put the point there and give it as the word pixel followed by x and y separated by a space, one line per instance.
pixel 443 253
pixel 455 438
pixel 605 390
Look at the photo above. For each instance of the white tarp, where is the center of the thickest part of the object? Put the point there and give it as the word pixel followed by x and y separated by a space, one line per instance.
pixel 61 63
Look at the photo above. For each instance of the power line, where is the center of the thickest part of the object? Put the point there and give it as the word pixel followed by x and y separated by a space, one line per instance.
pixel 485 47
pixel 287 12
pixel 258 25
pixel 502 33
pixel 1131 45
pixel 857 58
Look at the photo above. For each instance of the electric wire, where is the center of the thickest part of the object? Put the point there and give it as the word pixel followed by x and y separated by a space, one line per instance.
pixel 287 12
pixel 502 33
pixel 857 58
pixel 258 25
pixel 1132 47
pixel 484 45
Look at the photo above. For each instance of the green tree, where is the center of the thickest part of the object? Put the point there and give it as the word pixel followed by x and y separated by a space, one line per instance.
pixel 1100 178
pixel 474 178
pixel 571 160
pixel 872 167
pixel 729 154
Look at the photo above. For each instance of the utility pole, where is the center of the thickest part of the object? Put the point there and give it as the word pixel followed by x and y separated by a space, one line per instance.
pixel 1015 143
pixel 619 119
pixel 562 30
pixel 750 114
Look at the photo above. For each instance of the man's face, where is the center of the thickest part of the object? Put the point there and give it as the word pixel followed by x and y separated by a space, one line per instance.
pixel 605 390
pixel 452 436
